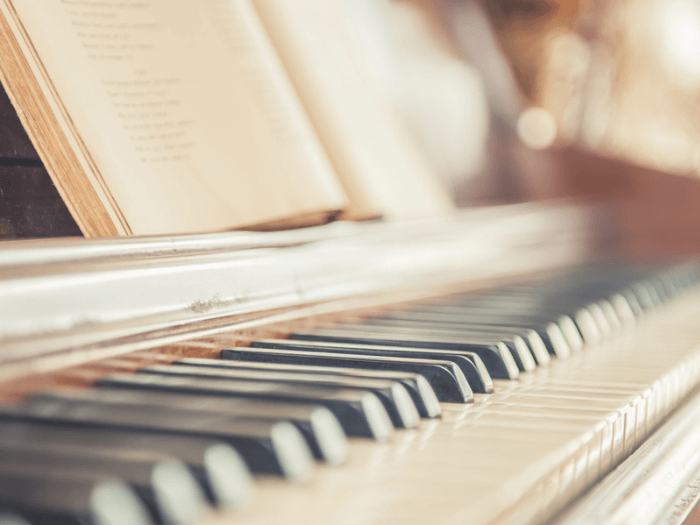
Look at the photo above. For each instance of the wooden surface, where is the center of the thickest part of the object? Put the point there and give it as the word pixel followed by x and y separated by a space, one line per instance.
pixel 652 214
pixel 434 474
pixel 57 315
pixel 30 205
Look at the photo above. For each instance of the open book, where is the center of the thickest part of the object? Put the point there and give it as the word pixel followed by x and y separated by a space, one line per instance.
pixel 158 117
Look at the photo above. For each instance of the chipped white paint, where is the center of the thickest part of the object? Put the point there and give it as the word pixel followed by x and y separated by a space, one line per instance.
pixel 103 292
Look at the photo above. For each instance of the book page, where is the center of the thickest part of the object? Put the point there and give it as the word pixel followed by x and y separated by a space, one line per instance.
pixel 181 111
pixel 380 167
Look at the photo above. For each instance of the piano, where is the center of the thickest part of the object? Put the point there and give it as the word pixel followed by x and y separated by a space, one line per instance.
pixel 489 367
pixel 505 365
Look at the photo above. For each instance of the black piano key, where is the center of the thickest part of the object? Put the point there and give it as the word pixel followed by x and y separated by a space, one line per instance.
pixel 392 394
pixel 685 276
pixel 611 314
pixel 577 323
pixel 660 292
pixel 673 281
pixel 543 338
pixel 56 501
pixel 596 320
pixel 270 448
pixel 559 331
pixel 646 295
pixel 519 349
pixel 360 413
pixel 669 284
pixel 586 325
pixel 571 332
pixel 217 467
pixel 602 322
pixel 569 301
pixel 581 327
pixel 221 471
pixel 555 341
pixel 633 303
pixel 503 302
pixel 470 364
pixel 530 339
pixel 445 377
pixel 166 486
pixel 320 428
pixel 497 357
pixel 547 324
pixel 560 336
pixel 534 337
pixel 623 309
pixel 418 387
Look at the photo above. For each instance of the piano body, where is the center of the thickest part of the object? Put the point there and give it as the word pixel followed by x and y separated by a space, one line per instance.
pixel 119 360
pixel 77 312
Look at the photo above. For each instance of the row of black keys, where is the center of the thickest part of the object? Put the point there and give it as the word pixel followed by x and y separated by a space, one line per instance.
pixel 180 439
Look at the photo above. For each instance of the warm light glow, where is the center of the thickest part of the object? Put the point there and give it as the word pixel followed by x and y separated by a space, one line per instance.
pixel 680 40
pixel 537 128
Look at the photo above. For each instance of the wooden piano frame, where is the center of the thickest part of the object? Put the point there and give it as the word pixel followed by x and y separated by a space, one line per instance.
pixel 71 302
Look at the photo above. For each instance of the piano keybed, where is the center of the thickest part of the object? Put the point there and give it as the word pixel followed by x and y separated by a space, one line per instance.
pixel 543 387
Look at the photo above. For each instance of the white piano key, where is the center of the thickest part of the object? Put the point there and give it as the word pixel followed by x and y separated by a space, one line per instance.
pixel 621 389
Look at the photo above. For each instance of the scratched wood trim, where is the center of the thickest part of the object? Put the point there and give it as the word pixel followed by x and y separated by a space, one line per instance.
pixel 64 314
pixel 80 369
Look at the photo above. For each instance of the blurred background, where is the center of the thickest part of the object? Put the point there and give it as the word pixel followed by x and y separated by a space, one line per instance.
pixel 621 79
pixel 512 101
pixel 522 100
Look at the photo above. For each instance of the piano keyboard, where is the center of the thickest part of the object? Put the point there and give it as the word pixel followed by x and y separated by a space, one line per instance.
pixel 491 407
